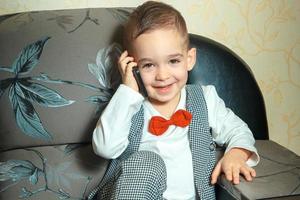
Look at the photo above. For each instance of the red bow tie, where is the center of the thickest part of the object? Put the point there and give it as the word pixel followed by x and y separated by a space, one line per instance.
pixel 158 125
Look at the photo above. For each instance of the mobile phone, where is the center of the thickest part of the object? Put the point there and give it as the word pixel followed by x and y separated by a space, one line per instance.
pixel 139 80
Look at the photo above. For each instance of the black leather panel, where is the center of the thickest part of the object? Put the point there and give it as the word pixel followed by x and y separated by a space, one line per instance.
pixel 234 82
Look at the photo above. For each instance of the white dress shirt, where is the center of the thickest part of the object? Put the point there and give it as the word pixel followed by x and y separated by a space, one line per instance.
pixel 110 137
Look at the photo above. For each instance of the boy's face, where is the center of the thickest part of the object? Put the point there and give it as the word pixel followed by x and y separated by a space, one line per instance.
pixel 164 61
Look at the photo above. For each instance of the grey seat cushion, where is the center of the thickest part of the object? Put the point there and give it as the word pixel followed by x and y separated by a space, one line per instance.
pixel 50 172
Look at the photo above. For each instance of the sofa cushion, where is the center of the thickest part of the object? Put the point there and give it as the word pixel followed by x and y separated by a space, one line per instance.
pixel 55 75
pixel 50 172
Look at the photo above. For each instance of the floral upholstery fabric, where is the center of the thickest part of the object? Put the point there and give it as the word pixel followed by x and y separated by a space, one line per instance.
pixel 50 172
pixel 55 66
pixel 57 72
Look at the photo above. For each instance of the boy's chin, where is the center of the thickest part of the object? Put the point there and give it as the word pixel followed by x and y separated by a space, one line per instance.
pixel 161 99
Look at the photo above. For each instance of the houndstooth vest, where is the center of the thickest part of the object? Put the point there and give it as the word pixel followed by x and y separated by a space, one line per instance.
pixel 201 144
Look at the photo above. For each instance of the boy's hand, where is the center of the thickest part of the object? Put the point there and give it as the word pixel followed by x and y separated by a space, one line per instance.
pixel 232 165
pixel 126 63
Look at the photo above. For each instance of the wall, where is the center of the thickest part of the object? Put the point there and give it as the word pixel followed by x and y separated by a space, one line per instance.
pixel 266 34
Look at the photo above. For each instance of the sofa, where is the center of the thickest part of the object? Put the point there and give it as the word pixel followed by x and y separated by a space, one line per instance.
pixel 57 73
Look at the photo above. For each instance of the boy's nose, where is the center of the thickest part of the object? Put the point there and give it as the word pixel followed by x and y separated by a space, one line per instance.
pixel 162 73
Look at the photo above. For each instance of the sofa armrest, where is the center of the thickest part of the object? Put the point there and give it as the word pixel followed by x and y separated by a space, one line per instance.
pixel 278 176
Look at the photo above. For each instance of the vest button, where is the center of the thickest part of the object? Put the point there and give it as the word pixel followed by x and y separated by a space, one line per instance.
pixel 212 146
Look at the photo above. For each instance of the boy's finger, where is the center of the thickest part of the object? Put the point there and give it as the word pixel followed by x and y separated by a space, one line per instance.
pixel 123 55
pixel 228 174
pixel 126 61
pixel 130 66
pixel 123 64
pixel 252 172
pixel 236 175
pixel 121 58
pixel 246 172
pixel 216 172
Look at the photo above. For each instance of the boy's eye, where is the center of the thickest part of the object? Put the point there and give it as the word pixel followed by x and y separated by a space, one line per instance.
pixel 174 61
pixel 147 65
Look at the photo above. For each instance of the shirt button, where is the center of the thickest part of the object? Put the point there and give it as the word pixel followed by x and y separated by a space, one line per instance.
pixel 212 146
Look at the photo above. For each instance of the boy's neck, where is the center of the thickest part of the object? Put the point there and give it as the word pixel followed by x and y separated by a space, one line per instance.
pixel 166 109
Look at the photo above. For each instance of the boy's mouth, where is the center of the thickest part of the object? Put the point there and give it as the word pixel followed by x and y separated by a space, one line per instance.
pixel 164 88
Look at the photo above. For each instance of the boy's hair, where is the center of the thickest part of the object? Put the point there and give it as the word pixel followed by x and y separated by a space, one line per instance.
pixel 153 16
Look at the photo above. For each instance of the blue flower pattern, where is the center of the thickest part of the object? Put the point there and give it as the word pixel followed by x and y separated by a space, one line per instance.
pixel 13 171
pixel 23 92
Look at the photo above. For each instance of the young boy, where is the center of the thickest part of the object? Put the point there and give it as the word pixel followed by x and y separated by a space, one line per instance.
pixel 163 146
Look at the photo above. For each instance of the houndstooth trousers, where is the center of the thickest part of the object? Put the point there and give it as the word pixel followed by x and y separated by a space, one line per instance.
pixel 131 181
pixel 142 174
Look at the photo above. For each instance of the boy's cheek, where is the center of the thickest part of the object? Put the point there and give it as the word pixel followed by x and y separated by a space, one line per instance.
pixel 146 78
pixel 147 83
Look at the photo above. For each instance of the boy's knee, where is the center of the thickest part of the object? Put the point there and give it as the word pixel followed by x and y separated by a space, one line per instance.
pixel 149 162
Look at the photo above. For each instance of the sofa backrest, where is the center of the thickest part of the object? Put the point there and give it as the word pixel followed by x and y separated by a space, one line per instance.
pixel 234 81
pixel 55 74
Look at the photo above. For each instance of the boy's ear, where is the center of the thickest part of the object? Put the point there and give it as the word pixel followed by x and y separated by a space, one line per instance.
pixel 192 53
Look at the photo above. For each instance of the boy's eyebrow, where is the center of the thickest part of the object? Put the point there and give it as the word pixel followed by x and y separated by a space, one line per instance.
pixel 175 55
pixel 144 60
pixel 169 56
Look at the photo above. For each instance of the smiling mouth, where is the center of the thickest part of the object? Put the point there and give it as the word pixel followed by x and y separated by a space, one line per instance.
pixel 163 89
